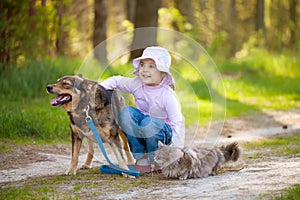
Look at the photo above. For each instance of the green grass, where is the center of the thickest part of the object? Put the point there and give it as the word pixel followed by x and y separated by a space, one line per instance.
pixel 263 81
pixel 33 122
pixel 254 83
pixel 28 80
pixel 25 111
pixel 292 193
pixel 279 146
pixel 84 185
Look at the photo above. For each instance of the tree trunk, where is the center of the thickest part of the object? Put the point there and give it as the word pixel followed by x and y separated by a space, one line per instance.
pixel 44 3
pixel 100 27
pixel 146 15
pixel 32 9
pixel 186 8
pixel 61 35
pixel 130 9
pixel 293 18
pixel 232 27
pixel 260 15
pixel 5 33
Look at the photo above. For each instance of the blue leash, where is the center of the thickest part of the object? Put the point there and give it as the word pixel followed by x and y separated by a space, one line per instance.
pixel 111 168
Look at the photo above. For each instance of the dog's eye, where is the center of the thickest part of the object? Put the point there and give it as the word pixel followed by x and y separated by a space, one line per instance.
pixel 66 85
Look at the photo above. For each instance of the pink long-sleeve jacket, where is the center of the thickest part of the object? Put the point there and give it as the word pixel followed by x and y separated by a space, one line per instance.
pixel 157 101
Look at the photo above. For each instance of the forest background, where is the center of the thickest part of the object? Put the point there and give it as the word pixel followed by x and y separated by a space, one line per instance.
pixel 39 29
pixel 254 43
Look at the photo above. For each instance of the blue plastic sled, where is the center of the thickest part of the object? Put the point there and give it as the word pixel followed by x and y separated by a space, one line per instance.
pixel 107 169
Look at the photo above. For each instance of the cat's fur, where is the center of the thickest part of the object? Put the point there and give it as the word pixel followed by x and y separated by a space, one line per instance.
pixel 195 162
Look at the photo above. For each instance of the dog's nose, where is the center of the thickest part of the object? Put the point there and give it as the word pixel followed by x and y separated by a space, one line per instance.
pixel 49 88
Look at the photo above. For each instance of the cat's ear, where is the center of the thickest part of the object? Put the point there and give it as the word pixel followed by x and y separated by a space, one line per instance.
pixel 160 144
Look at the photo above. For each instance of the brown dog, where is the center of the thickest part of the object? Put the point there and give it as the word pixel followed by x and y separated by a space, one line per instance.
pixel 81 97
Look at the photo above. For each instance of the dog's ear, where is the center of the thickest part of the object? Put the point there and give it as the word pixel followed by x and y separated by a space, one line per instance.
pixel 79 75
pixel 77 83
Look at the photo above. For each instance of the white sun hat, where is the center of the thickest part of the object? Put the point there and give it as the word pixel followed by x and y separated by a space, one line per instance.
pixel 161 58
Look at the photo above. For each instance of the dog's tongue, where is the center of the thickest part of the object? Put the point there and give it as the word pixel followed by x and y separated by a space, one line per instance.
pixel 59 99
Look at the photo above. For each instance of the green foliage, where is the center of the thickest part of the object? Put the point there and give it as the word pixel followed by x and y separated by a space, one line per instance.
pixel 26 31
pixel 29 79
pixel 38 29
pixel 219 47
pixel 25 111
pixel 172 17
pixel 253 83
pixel 262 80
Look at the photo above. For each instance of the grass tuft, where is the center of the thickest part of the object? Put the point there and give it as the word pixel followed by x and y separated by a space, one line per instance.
pixel 292 193
pixel 279 146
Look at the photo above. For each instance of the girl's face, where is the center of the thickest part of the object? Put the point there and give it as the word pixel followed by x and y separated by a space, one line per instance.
pixel 149 74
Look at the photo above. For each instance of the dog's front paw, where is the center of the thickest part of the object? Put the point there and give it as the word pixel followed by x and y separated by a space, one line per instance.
pixel 71 171
pixel 85 166
pixel 181 178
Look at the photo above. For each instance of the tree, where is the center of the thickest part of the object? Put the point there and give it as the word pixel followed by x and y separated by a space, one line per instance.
pixel 20 31
pixel 146 15
pixel 232 27
pixel 130 9
pixel 260 15
pixel 186 9
pixel 61 35
pixel 293 19
pixel 100 27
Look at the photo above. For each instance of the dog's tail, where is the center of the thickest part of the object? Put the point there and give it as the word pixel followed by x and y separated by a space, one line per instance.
pixel 231 151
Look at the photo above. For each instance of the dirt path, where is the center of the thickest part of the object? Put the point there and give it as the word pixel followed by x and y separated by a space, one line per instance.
pixel 251 182
pixel 245 179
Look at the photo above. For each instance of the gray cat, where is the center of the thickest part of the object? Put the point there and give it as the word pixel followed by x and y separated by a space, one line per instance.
pixel 195 162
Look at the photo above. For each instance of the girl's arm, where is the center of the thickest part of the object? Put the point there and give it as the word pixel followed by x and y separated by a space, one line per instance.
pixel 125 84
pixel 176 119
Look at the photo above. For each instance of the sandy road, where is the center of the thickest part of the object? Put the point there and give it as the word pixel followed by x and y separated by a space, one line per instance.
pixel 242 180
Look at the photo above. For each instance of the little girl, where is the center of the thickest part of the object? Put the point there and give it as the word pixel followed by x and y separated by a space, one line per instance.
pixel 157 116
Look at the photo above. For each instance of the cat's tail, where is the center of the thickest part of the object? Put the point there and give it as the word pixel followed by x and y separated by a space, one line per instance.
pixel 231 151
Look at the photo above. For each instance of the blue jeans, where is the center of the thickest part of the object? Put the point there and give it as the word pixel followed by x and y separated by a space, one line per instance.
pixel 143 132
